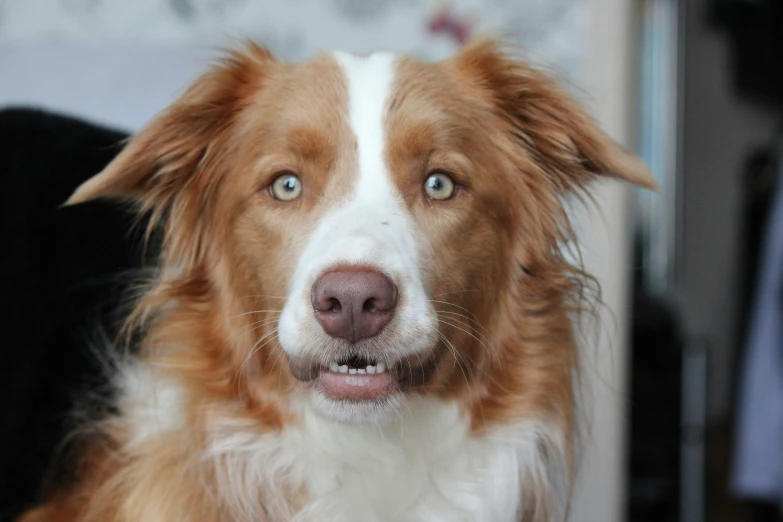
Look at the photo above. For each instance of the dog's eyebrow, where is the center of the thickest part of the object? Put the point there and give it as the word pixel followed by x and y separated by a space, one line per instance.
pixel 309 142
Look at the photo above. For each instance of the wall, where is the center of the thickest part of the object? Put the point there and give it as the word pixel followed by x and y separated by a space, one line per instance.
pixel 719 129
pixel 294 29
pixel 610 79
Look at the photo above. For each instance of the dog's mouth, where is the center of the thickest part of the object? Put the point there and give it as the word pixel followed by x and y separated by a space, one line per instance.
pixel 360 378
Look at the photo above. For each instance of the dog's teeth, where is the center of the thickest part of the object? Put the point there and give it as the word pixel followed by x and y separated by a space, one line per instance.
pixel 369 369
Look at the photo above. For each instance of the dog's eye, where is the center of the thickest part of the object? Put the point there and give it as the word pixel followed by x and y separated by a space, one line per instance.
pixel 286 187
pixel 439 186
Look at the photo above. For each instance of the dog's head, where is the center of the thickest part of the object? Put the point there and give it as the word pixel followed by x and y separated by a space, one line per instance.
pixel 372 226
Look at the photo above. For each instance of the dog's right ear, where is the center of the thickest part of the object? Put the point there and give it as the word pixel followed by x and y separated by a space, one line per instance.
pixel 167 156
pixel 545 122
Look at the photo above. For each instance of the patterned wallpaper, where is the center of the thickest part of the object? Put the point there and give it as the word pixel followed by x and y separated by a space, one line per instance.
pixel 551 31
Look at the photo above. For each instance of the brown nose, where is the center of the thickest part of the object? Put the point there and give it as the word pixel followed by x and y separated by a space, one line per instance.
pixel 353 305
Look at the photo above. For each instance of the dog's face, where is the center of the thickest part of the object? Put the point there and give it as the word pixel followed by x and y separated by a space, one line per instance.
pixel 404 218
pixel 366 219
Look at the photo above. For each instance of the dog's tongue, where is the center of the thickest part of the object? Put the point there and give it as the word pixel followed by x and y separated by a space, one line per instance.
pixel 303 372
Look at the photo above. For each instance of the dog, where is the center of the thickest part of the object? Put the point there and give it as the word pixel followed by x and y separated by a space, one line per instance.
pixel 364 303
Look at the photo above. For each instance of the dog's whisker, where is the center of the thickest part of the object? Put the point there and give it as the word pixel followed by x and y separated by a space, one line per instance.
pixel 258 324
pixel 257 312
pixel 256 347
pixel 463 316
pixel 471 325
pixel 459 360
pixel 491 351
pixel 252 296
pixel 280 356
pixel 456 292
pixel 456 306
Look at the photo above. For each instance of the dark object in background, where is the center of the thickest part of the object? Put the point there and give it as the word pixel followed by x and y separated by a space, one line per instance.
pixel 655 410
pixel 60 270
pixel 755 31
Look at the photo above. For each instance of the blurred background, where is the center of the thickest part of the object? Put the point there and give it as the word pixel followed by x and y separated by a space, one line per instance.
pixel 685 400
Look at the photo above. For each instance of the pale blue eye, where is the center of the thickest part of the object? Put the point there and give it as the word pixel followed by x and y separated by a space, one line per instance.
pixel 286 187
pixel 439 186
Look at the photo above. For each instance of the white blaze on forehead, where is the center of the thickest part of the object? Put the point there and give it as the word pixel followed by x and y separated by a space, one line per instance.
pixel 369 80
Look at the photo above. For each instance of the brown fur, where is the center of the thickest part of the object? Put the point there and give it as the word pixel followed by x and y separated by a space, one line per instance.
pixel 517 147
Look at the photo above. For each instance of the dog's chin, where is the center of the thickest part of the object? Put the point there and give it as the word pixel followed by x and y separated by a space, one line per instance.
pixel 358 412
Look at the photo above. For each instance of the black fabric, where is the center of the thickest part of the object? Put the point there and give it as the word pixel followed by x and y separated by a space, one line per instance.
pixel 61 277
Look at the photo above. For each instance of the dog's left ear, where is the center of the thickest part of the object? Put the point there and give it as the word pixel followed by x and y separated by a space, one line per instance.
pixel 177 146
pixel 555 132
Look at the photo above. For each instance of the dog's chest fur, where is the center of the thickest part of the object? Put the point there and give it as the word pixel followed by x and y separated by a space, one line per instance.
pixel 423 466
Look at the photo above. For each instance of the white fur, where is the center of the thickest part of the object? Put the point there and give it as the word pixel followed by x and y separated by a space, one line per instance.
pixel 149 403
pixel 370 227
pixel 422 465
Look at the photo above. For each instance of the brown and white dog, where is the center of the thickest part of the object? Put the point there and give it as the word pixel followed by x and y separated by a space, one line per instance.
pixel 363 310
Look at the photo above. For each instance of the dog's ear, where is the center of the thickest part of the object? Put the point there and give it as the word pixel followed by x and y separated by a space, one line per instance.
pixel 179 144
pixel 172 168
pixel 548 123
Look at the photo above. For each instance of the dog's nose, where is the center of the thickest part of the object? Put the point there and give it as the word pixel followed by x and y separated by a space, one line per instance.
pixel 353 305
